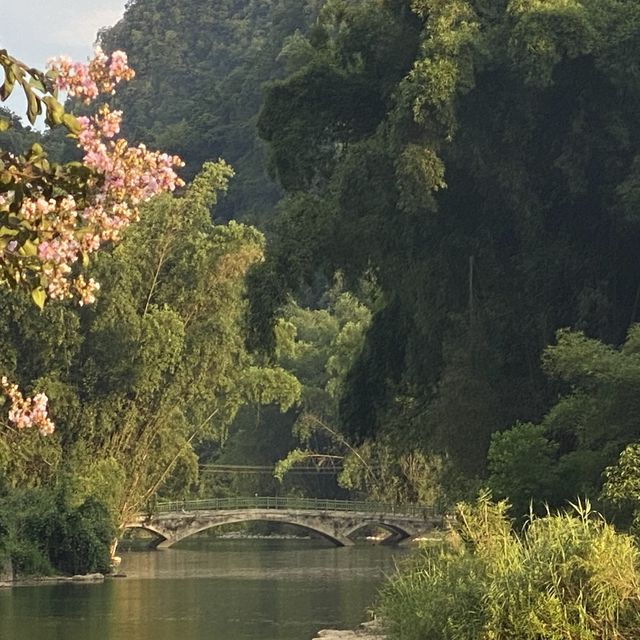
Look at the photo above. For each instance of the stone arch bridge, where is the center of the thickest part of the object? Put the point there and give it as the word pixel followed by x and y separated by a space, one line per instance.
pixel 335 520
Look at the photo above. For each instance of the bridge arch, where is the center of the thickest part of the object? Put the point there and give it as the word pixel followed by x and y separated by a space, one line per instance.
pixel 333 536
pixel 146 526
pixel 187 525
pixel 399 532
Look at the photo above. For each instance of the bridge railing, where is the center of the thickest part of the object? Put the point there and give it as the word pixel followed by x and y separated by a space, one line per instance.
pixel 294 503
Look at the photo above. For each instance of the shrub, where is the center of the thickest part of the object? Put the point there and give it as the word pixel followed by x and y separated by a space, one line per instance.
pixel 569 576
pixel 43 534
pixel 29 559
pixel 80 539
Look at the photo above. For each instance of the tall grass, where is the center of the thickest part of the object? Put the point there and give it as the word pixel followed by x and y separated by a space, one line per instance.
pixel 569 576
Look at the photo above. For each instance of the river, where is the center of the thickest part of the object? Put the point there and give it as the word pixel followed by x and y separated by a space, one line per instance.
pixel 213 589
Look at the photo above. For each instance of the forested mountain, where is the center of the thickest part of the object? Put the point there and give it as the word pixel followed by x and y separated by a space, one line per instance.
pixel 480 158
pixel 200 69
pixel 477 160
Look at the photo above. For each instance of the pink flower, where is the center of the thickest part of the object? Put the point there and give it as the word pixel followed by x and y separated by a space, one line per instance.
pixel 124 177
pixel 29 412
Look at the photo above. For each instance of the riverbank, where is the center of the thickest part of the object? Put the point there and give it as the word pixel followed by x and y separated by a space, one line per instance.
pixel 49 580
pixel 366 631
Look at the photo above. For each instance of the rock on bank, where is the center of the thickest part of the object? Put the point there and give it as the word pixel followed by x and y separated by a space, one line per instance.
pixel 366 631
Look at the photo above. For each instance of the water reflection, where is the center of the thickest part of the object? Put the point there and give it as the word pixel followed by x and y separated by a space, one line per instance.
pixel 214 590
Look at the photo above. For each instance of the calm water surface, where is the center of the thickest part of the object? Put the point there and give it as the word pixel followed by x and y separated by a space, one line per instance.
pixel 208 589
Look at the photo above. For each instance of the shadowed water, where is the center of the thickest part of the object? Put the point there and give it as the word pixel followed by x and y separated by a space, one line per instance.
pixel 208 589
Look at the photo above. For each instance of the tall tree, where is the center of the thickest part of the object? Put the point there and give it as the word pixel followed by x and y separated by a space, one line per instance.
pixel 159 363
pixel 583 433
pixel 480 158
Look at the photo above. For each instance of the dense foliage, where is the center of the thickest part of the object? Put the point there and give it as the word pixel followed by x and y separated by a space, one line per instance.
pixel 43 532
pixel 157 365
pixel 480 159
pixel 54 216
pixel 477 160
pixel 466 169
pixel 565 576
pixel 317 345
pixel 583 433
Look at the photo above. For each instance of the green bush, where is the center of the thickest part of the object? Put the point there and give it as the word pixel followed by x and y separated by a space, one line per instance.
pixel 79 541
pixel 43 534
pixel 22 535
pixel 565 577
pixel 29 559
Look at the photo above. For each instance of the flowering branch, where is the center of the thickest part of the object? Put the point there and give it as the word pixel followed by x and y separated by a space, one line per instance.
pixel 29 412
pixel 52 216
pixel 55 216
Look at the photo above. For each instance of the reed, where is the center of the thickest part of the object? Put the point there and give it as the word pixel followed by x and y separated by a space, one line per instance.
pixel 567 576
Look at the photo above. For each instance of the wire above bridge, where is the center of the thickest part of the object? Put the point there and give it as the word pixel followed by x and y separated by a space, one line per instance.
pixel 268 469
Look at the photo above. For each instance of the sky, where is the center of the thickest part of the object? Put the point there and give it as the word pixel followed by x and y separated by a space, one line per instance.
pixel 35 30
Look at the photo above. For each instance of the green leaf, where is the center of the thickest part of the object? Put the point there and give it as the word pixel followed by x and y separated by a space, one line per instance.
pixel 37 84
pixel 29 249
pixel 71 122
pixel 39 296
pixel 55 111
pixel 33 104
pixel 7 86
pixel 5 123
